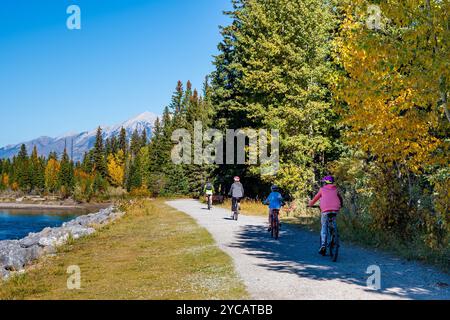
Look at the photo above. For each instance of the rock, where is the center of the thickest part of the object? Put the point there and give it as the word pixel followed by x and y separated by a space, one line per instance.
pixel 12 256
pixel 4 274
pixel 16 254
pixel 55 238
pixel 79 231
pixel 33 253
pixel 31 240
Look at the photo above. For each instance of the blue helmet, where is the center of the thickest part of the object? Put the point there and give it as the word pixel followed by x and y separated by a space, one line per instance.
pixel 274 188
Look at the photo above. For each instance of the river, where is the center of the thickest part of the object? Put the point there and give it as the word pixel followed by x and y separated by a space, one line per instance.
pixel 18 223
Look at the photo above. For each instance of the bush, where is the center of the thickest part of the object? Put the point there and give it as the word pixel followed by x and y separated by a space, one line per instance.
pixel 116 192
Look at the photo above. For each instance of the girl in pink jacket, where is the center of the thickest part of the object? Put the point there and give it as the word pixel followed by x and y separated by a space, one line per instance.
pixel 330 201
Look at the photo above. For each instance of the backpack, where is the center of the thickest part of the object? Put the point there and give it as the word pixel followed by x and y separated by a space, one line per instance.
pixel 209 186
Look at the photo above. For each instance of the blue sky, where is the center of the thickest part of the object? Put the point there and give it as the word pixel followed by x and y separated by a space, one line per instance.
pixel 126 59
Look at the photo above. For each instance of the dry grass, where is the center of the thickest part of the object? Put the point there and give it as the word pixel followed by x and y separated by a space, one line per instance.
pixel 154 252
pixel 248 207
pixel 256 208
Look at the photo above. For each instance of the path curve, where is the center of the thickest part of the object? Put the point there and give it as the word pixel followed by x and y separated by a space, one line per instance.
pixel 292 269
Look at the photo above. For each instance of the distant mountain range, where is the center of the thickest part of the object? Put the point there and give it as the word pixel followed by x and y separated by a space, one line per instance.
pixel 82 142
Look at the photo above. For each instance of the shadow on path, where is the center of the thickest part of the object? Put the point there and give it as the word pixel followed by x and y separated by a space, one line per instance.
pixel 297 253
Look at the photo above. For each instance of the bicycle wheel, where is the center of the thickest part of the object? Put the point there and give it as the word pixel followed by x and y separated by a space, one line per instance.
pixel 331 245
pixel 272 227
pixel 336 248
pixel 276 229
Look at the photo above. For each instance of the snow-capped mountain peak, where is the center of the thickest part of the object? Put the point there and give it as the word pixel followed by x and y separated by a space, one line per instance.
pixel 83 142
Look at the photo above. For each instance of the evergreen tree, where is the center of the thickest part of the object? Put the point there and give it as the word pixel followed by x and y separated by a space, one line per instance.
pixel 37 171
pixel 66 174
pixel 22 170
pixel 135 144
pixel 99 155
pixel 123 144
pixel 144 138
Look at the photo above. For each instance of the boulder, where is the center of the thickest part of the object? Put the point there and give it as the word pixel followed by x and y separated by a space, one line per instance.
pixel 79 231
pixel 31 240
pixel 4 274
pixel 12 256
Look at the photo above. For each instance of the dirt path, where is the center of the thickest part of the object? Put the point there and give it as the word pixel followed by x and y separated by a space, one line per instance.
pixel 292 269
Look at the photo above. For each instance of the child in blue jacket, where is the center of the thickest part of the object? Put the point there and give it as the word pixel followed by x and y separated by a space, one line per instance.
pixel 275 202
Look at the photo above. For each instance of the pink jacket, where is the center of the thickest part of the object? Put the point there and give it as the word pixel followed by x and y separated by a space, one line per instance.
pixel 329 199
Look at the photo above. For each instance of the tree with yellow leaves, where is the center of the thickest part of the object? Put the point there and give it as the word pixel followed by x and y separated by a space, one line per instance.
pixel 395 84
pixel 393 93
pixel 116 168
pixel 51 175
pixel 4 182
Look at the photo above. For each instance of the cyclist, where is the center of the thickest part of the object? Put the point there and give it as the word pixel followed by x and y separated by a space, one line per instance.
pixel 330 202
pixel 275 202
pixel 208 191
pixel 236 193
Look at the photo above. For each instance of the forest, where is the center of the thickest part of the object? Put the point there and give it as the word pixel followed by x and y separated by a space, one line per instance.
pixel 355 92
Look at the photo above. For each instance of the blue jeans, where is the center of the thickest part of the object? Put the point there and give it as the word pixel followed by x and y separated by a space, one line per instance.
pixel 324 232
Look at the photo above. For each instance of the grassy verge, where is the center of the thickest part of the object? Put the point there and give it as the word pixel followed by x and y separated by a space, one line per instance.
pixel 154 252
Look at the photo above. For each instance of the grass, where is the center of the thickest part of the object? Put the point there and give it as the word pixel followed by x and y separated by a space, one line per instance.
pixel 248 207
pixel 153 253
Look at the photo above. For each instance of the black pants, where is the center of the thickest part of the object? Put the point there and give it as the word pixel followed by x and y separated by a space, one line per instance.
pixel 236 202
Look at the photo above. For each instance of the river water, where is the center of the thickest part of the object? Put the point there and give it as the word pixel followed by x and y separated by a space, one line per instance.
pixel 18 223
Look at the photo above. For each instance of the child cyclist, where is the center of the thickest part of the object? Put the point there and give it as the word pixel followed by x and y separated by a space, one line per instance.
pixel 330 202
pixel 275 202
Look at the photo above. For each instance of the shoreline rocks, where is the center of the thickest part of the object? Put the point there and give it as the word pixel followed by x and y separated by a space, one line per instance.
pixel 15 255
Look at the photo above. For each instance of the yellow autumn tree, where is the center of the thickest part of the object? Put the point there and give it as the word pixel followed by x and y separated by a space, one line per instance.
pixel 393 96
pixel 5 180
pixel 116 169
pixel 51 175
pixel 396 80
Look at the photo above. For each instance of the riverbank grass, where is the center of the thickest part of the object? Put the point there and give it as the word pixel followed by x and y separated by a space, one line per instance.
pixel 154 252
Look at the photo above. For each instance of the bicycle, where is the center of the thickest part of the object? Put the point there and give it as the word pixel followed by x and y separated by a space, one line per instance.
pixel 333 245
pixel 333 234
pixel 209 202
pixel 235 208
pixel 275 223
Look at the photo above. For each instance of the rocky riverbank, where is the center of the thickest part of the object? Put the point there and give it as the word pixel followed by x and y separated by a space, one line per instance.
pixel 15 255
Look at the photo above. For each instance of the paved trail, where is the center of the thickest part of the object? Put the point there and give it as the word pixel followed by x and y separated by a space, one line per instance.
pixel 292 269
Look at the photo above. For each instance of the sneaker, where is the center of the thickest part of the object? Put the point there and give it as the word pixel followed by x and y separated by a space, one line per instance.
pixel 323 251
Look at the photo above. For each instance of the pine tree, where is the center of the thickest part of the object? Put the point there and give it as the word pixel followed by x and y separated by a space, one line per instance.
pixel 66 174
pixel 99 155
pixel 135 144
pixel 22 170
pixel 144 138
pixel 123 144
pixel 37 171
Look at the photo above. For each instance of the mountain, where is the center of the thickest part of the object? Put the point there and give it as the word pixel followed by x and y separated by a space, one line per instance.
pixel 82 142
